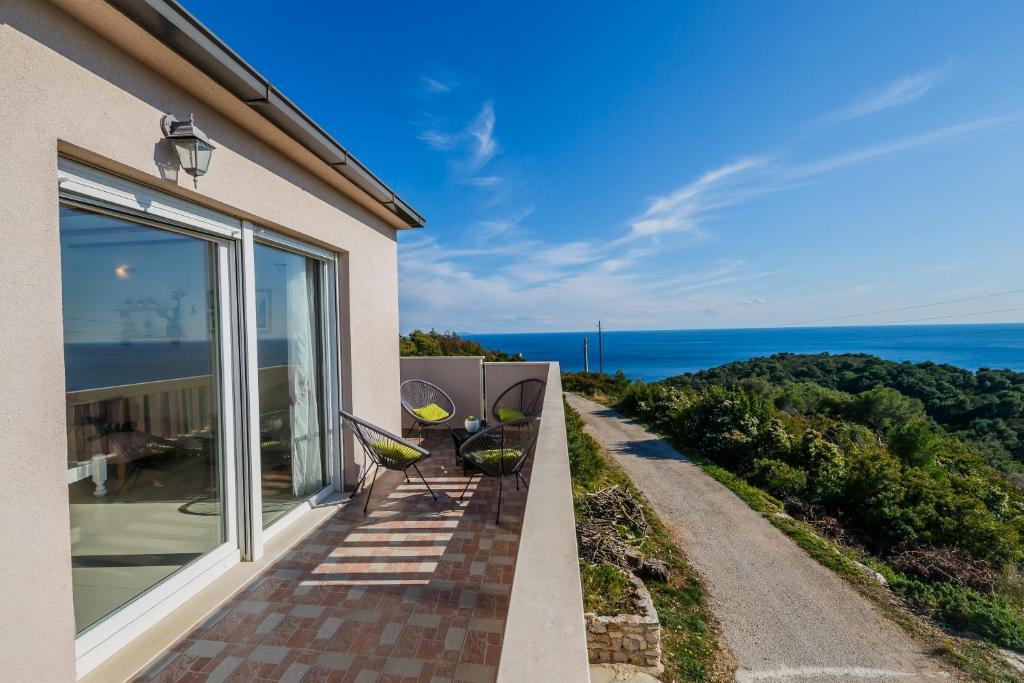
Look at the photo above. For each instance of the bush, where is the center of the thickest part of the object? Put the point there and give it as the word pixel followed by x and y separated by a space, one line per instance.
pixel 826 467
pixel 734 428
pixel 658 405
pixel 965 609
pixel 434 343
pixel 585 462
pixel 596 385
pixel 779 479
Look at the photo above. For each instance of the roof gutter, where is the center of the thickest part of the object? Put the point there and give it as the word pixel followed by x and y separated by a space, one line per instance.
pixel 172 24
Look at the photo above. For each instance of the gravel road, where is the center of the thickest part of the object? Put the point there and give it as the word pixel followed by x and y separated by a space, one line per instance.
pixel 783 615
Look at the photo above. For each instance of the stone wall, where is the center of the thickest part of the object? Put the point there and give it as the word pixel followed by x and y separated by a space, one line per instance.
pixel 627 638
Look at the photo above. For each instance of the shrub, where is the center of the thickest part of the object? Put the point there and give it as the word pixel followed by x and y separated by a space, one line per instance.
pixel 434 343
pixel 585 462
pixel 596 385
pixel 658 405
pixel 825 465
pixel 735 427
pixel 916 442
pixel 779 479
pixel 965 609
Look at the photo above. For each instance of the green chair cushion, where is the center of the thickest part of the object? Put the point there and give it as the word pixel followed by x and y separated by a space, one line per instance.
pixel 395 451
pixel 492 458
pixel 508 414
pixel 431 412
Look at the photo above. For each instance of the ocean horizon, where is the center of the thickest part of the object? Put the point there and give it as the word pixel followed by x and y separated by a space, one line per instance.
pixel 656 354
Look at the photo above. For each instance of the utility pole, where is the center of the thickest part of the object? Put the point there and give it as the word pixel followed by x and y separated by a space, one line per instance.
pixel 586 356
pixel 600 349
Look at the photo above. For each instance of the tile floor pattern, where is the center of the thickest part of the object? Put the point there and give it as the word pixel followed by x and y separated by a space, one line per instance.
pixel 414 591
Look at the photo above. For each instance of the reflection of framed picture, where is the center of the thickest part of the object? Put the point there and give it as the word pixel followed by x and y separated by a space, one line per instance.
pixel 263 320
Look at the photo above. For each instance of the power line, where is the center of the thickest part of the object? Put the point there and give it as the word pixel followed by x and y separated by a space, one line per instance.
pixel 910 308
pixel 955 315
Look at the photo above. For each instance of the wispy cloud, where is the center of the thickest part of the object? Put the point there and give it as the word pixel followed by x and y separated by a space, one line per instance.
pixel 680 210
pixel 438 140
pixel 481 133
pixel 740 181
pixel 534 284
pixel 833 163
pixel 494 227
pixel 899 92
pixel 436 86
pixel 477 140
pixel 484 181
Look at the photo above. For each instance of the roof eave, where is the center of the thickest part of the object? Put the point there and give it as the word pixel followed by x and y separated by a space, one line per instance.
pixel 176 28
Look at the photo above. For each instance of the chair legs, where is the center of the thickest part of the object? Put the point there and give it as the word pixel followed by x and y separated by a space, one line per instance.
pixel 519 477
pixel 370 492
pixel 360 484
pixel 497 520
pixel 423 478
pixel 467 485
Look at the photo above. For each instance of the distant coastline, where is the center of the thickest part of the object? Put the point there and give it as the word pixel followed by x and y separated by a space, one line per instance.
pixel 656 354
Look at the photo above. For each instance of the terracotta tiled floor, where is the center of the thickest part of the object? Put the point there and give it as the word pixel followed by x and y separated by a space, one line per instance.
pixel 416 590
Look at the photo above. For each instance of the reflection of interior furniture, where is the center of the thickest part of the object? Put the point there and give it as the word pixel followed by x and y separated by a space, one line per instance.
pixel 132 451
pixel 427 404
pixel 386 450
pixel 500 451
pixel 275 432
pixel 95 468
pixel 276 454
pixel 522 399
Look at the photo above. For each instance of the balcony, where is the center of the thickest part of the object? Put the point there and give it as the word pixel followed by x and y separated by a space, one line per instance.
pixel 413 590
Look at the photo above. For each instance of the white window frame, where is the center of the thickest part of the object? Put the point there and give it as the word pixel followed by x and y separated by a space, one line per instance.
pixel 82 185
pixel 251 235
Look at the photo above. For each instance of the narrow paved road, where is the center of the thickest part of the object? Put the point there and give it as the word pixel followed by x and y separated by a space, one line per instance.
pixel 784 616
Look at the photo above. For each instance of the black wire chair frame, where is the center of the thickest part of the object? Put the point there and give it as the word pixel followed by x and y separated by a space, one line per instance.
pixel 385 450
pixel 526 397
pixel 500 451
pixel 417 393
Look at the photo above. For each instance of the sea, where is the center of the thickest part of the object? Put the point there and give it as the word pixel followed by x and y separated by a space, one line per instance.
pixel 654 355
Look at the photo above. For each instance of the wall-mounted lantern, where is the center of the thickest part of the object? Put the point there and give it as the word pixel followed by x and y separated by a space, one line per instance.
pixel 194 149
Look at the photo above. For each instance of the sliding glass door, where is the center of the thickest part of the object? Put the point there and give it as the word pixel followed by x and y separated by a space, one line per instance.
pixel 290 350
pixel 142 344
pixel 201 396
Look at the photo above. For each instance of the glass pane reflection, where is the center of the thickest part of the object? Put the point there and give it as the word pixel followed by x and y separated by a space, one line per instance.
pixel 290 379
pixel 144 460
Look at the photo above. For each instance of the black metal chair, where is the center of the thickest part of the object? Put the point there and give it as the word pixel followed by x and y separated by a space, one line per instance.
pixel 386 450
pixel 522 399
pixel 501 451
pixel 427 404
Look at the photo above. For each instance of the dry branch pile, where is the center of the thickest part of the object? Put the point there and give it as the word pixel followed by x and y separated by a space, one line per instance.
pixel 604 515
pixel 825 524
pixel 945 564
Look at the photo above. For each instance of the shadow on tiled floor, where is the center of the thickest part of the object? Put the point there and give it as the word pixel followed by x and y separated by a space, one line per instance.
pixel 415 590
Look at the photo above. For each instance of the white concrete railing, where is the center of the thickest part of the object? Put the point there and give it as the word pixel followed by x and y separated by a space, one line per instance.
pixel 545 634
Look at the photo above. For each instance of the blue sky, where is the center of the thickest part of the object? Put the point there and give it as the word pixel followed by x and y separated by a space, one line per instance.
pixel 671 165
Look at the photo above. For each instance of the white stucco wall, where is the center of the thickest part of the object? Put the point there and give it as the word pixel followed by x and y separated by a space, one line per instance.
pixel 67 89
